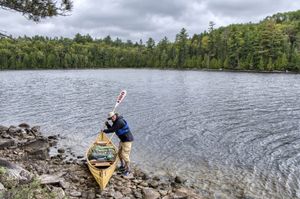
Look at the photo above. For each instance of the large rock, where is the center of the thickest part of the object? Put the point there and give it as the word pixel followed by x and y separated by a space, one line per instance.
pixel 4 143
pixel 150 193
pixel 38 154
pixel 179 180
pixel 36 144
pixel 12 130
pixel 56 179
pixel 24 126
pixel 16 172
pixel 3 129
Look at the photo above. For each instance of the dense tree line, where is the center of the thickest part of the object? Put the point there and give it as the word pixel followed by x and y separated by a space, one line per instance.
pixel 272 44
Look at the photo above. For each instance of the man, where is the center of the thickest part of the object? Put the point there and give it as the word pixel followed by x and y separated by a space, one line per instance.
pixel 121 128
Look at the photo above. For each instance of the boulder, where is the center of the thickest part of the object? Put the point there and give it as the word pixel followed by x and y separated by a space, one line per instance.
pixel 4 143
pixel 38 154
pixel 12 130
pixel 36 144
pixel 61 150
pixel 24 126
pixel 16 172
pixel 52 179
pixel 179 180
pixel 3 129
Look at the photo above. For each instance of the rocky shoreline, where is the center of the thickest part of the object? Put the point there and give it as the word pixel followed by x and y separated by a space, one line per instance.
pixel 27 168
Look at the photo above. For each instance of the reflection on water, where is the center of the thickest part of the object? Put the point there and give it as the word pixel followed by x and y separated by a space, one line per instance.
pixel 233 134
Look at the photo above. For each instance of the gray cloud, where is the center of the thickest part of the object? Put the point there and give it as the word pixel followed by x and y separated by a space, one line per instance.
pixel 141 19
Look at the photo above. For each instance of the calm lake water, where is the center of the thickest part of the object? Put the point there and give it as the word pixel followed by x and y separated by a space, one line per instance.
pixel 229 134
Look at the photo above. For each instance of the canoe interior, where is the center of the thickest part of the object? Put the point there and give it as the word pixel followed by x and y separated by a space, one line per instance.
pixel 102 159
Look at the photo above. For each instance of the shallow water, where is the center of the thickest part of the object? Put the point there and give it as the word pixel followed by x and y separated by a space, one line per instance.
pixel 233 134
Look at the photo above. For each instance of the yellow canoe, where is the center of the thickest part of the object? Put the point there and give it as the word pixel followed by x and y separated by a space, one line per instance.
pixel 103 169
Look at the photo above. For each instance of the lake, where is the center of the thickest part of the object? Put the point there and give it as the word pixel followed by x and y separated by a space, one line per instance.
pixel 230 134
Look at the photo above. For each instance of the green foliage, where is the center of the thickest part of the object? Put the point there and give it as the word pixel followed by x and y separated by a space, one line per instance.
pixel 37 9
pixel 272 44
pixel 32 190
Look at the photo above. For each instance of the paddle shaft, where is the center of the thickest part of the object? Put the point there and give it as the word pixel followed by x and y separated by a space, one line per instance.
pixel 119 100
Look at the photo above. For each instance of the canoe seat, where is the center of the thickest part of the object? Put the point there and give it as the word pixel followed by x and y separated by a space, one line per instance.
pixel 102 164
pixel 101 143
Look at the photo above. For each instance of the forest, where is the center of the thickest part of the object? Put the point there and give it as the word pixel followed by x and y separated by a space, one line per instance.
pixel 273 44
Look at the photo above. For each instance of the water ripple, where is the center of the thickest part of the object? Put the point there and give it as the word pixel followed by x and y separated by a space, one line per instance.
pixel 235 133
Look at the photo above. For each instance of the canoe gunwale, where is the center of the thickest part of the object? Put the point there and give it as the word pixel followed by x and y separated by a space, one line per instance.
pixel 102 175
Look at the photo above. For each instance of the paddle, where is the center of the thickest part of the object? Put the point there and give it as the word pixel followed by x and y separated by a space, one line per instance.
pixel 120 98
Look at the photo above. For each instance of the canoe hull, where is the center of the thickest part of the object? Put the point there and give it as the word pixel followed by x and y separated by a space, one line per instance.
pixel 102 174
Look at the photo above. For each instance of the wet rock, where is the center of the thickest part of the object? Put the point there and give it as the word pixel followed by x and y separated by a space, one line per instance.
pixel 61 150
pixel 24 126
pixel 12 130
pixel 150 193
pixel 6 143
pixel 53 137
pixel 3 129
pixel 179 180
pixel 36 129
pixel 186 193
pixel 36 144
pixel 6 136
pixel 52 143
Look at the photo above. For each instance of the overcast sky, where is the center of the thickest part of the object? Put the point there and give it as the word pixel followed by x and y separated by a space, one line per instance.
pixel 141 19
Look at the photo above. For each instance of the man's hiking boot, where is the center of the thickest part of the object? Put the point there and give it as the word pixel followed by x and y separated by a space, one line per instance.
pixel 121 169
pixel 126 173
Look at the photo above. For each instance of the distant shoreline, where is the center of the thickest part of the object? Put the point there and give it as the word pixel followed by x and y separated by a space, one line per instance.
pixel 163 69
